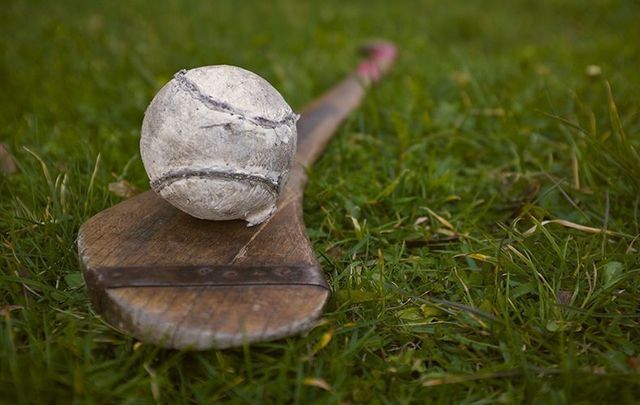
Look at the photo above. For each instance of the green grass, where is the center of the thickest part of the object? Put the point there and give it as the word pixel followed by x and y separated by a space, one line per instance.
pixel 419 210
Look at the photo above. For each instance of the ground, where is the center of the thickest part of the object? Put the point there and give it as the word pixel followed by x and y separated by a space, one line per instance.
pixel 477 217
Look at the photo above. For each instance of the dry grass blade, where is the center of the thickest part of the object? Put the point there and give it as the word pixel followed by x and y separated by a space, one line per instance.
pixel 318 383
pixel 572 225
pixel 440 219
pixel 123 188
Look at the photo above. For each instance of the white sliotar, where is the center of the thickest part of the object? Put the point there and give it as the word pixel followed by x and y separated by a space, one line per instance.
pixel 217 142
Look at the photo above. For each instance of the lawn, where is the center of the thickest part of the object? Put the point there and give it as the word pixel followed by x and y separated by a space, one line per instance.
pixel 477 217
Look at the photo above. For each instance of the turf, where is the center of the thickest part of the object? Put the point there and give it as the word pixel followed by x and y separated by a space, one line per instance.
pixel 429 210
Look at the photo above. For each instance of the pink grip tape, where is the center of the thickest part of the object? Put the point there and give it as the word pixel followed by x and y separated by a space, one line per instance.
pixel 381 55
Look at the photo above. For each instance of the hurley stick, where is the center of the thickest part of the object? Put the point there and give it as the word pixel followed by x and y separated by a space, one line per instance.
pixel 176 281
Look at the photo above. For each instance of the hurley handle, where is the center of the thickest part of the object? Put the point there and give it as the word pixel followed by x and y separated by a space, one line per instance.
pixel 321 118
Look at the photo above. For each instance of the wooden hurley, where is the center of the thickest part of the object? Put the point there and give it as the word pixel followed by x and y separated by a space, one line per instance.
pixel 169 279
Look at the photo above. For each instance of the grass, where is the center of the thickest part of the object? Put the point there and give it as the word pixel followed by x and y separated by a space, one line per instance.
pixel 429 210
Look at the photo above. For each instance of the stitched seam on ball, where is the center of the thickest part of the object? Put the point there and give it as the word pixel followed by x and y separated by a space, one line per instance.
pixel 171 177
pixel 220 106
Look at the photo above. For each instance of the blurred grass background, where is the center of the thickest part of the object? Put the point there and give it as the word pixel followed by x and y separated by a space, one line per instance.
pixel 427 210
